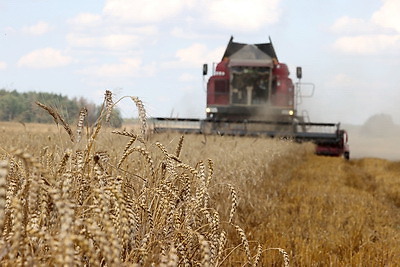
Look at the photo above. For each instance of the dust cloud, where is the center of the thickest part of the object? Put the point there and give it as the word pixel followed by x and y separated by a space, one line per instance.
pixel 378 137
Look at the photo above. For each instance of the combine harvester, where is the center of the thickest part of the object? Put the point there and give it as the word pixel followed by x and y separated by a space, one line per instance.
pixel 250 93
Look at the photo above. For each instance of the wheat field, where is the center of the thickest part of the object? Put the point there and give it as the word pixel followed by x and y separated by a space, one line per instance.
pixel 75 195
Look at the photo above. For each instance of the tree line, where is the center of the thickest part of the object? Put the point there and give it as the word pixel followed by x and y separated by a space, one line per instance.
pixel 15 106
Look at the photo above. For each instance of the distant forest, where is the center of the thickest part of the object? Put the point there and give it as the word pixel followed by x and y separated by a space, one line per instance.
pixel 21 107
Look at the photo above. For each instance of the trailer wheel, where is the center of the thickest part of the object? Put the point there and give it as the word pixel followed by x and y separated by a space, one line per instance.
pixel 346 155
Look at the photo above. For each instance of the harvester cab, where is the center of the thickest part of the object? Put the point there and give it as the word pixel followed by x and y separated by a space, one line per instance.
pixel 250 84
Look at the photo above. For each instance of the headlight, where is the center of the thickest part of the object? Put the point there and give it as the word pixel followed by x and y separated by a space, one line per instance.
pixel 211 110
pixel 289 112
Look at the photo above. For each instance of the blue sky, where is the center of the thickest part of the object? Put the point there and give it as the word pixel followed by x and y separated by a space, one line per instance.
pixel 350 50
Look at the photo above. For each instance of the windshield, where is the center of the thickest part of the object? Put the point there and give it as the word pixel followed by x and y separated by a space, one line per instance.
pixel 250 85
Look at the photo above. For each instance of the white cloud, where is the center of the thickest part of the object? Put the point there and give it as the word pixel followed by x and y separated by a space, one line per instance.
pixel 44 58
pixel 81 40
pixel 195 55
pixel 37 29
pixel 3 65
pixel 110 41
pixel 348 25
pixel 232 14
pixel 187 77
pixel 354 85
pixel 90 30
pixel 192 55
pixel 143 10
pixel 145 30
pixel 370 37
pixel 93 31
pixel 243 15
pixel 188 88
pixel 179 32
pixel 84 20
pixel 127 67
pixel 342 80
pixel 191 34
pixel 388 15
pixel 119 41
pixel 9 30
pixel 117 27
pixel 368 44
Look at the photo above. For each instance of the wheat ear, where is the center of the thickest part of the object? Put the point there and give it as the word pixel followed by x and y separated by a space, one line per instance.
pixel 3 187
pixel 284 254
pixel 179 147
pixel 130 134
pixel 257 257
pixel 66 127
pixel 82 115
pixel 142 115
pixel 234 203
pixel 245 242
pixel 50 110
pixel 109 104
pixel 205 251
pixel 57 119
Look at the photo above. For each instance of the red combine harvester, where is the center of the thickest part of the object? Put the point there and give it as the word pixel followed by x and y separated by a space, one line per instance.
pixel 250 93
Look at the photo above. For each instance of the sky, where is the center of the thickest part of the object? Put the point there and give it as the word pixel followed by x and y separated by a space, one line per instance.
pixel 348 49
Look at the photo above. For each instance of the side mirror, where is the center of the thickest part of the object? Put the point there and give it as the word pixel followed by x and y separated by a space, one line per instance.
pixel 299 72
pixel 205 69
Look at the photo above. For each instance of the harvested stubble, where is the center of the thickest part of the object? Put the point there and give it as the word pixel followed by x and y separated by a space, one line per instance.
pixel 71 201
